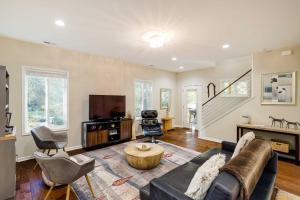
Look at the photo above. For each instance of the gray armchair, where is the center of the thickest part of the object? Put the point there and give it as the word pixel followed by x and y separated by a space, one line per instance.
pixel 60 169
pixel 45 139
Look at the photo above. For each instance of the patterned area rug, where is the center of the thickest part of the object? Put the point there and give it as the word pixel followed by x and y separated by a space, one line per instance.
pixel 282 195
pixel 114 179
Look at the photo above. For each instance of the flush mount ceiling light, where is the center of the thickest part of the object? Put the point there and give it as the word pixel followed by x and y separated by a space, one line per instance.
pixel 225 46
pixel 156 39
pixel 174 58
pixel 181 67
pixel 59 23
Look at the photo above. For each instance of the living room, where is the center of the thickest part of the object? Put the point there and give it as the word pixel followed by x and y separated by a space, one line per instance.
pixel 141 95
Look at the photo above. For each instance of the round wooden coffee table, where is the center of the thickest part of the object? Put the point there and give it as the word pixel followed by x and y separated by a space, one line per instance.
pixel 144 160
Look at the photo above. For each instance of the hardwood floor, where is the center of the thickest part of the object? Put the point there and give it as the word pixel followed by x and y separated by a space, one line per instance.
pixel 30 185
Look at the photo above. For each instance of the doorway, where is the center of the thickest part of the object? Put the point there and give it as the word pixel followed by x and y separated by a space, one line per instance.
pixel 191 104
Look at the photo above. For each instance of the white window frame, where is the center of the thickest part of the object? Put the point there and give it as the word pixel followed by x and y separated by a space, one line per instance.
pixel 151 98
pixel 248 80
pixel 45 70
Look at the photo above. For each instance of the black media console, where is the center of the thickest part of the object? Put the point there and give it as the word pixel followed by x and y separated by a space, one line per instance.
pixel 105 132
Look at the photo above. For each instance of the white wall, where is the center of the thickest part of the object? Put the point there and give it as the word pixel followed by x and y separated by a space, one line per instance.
pixel 89 74
pixel 227 69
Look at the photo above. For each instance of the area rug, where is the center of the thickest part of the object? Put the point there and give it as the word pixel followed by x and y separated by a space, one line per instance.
pixel 114 179
pixel 282 195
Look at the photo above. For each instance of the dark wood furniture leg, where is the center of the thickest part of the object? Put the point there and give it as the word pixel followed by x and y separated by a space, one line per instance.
pixel 239 133
pixel 297 156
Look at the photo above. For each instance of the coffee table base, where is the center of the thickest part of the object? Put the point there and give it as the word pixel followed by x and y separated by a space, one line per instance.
pixel 144 163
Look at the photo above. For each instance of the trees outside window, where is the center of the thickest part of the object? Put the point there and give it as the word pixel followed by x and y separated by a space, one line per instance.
pixel 143 96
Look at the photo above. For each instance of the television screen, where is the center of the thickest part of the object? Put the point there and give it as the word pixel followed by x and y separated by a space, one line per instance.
pixel 106 106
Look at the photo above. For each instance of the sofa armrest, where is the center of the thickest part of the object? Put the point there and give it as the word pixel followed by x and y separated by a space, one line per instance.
pixel 160 190
pixel 272 164
pixel 228 146
pixel 224 187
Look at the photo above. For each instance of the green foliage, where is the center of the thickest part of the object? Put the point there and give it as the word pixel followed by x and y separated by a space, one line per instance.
pixel 45 101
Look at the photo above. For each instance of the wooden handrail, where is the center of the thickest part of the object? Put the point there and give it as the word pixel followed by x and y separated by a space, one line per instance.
pixel 227 87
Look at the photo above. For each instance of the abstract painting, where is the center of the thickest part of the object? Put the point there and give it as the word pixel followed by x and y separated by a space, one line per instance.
pixel 279 88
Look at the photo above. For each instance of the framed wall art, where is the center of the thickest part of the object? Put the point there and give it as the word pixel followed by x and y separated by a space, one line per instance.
pixel 165 98
pixel 279 88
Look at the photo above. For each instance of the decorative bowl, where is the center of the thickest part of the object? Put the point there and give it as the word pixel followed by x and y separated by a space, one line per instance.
pixel 143 147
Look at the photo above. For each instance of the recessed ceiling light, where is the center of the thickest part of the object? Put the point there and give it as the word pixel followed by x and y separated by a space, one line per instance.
pixel 181 67
pixel 225 46
pixel 174 58
pixel 59 23
pixel 156 39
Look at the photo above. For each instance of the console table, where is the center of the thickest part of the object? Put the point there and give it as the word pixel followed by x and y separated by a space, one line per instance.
pixel 281 131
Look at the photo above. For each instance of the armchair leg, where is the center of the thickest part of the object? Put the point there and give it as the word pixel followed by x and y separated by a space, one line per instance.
pixel 51 188
pixel 90 185
pixel 68 192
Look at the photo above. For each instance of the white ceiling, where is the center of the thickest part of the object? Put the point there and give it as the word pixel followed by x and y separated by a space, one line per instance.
pixel 114 27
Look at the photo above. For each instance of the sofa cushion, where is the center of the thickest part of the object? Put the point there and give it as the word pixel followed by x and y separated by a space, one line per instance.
pixel 204 177
pixel 199 160
pixel 184 173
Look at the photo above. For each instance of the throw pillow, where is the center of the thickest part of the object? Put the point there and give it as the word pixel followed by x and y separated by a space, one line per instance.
pixel 204 177
pixel 243 142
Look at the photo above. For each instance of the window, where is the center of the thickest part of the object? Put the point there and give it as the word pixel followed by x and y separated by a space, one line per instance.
pixel 143 96
pixel 238 89
pixel 45 99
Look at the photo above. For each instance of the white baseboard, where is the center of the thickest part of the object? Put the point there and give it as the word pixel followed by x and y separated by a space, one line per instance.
pixel 74 148
pixel 177 126
pixel 25 158
pixel 210 139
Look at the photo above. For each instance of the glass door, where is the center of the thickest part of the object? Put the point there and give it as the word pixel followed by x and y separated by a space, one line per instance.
pixel 191 104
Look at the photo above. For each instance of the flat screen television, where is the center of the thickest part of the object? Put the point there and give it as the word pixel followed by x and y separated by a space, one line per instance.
pixel 106 106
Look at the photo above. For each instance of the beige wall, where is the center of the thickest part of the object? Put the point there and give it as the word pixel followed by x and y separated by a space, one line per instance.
pixel 262 63
pixel 89 74
pixel 227 69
